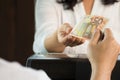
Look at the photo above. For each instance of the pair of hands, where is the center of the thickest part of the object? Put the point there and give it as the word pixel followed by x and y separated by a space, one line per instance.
pixel 102 54
pixel 61 38
pixel 66 39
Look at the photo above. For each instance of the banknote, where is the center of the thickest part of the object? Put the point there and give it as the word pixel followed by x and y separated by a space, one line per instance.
pixel 87 26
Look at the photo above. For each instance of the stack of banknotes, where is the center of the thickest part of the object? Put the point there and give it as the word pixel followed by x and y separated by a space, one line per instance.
pixel 87 26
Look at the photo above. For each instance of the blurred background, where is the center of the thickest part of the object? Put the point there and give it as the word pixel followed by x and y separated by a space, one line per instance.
pixel 16 29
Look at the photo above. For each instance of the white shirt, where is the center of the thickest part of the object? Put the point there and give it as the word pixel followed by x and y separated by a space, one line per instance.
pixel 14 71
pixel 49 15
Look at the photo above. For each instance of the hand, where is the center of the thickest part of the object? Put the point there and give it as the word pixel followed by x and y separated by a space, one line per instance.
pixel 61 38
pixel 103 54
pixel 66 39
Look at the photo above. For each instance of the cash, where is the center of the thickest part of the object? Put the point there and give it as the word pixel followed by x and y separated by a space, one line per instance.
pixel 87 26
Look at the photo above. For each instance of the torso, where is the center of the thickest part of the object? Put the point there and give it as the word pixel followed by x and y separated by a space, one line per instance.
pixel 111 12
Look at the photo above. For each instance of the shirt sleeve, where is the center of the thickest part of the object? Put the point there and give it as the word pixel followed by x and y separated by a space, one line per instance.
pixel 46 22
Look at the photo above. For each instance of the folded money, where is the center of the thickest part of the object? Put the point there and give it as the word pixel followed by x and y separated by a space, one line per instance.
pixel 87 26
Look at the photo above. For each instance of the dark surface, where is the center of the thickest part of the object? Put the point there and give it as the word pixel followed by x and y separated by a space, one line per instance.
pixel 65 68
pixel 61 68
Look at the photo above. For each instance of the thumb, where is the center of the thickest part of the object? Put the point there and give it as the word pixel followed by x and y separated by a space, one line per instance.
pixel 108 34
pixel 95 37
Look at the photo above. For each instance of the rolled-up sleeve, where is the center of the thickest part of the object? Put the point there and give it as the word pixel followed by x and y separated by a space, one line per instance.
pixel 46 22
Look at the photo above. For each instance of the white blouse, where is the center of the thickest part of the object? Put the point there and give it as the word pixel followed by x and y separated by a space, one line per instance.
pixel 49 15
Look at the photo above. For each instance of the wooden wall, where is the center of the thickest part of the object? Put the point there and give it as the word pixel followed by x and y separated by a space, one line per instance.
pixel 16 29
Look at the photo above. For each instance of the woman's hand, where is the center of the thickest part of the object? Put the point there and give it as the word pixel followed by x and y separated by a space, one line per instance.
pixel 66 39
pixel 102 55
pixel 61 38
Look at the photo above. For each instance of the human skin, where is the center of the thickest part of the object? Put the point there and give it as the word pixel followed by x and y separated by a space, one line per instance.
pixel 102 55
pixel 61 38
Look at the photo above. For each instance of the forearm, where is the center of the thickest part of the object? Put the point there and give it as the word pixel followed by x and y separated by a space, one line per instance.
pixel 100 73
pixel 52 44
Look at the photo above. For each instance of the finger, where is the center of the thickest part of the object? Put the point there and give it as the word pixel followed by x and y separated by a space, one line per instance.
pixel 68 40
pixel 95 37
pixel 71 40
pixel 67 28
pixel 63 40
pixel 83 40
pixel 77 41
pixel 108 34
pixel 62 33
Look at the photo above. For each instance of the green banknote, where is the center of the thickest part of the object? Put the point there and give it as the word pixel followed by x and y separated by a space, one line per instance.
pixel 87 26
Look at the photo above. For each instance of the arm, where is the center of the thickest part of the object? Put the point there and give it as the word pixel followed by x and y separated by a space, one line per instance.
pixel 61 38
pixel 46 23
pixel 103 55
pixel 49 36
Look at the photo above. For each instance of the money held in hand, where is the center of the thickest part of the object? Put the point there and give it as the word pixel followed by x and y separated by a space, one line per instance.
pixel 88 25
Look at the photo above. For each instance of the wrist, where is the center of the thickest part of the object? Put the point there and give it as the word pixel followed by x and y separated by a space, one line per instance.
pixel 100 73
pixel 52 44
